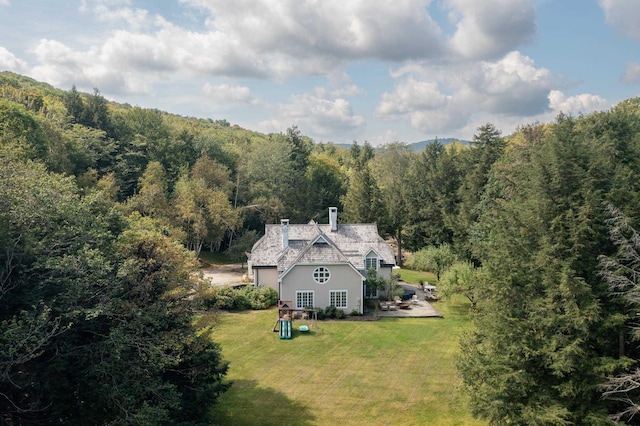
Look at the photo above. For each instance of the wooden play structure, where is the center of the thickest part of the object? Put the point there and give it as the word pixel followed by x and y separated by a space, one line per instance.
pixel 287 313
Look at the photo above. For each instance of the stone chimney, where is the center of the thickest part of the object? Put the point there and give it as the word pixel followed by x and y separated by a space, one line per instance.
pixel 333 218
pixel 284 231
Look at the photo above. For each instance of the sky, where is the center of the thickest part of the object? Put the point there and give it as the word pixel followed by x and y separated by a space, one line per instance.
pixel 380 71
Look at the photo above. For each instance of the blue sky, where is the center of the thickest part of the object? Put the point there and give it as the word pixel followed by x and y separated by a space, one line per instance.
pixel 380 71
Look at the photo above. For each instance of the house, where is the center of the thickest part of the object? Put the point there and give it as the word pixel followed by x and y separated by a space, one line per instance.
pixel 320 265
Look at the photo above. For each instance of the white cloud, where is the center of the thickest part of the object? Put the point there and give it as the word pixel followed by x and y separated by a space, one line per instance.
pixel 632 73
pixel 445 98
pixel 573 105
pixel 341 85
pixel 8 61
pixel 224 93
pixel 316 115
pixel 62 66
pixel 490 28
pixel 334 28
pixel 623 15
pixel 5 3
pixel 514 86
pixel 411 95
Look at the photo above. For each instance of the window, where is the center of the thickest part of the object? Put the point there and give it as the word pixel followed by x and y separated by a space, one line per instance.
pixel 370 262
pixel 304 299
pixel 338 298
pixel 321 275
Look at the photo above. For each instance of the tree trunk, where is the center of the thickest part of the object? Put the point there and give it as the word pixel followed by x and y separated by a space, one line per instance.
pixel 399 241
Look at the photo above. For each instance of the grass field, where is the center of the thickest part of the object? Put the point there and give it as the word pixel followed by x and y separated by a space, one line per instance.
pixel 386 372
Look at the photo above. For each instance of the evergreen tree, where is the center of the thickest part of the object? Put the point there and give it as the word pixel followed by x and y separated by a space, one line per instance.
pixel 75 106
pixel 363 201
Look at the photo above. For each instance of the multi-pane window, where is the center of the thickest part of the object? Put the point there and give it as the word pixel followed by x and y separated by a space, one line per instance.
pixel 370 262
pixel 304 299
pixel 321 275
pixel 338 298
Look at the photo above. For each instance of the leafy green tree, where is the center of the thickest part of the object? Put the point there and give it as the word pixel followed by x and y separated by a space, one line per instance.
pixel 151 198
pixel 326 181
pixel 20 129
pixel 433 259
pixel 204 214
pixel 271 172
pixel 462 278
pixel 214 174
pixel 242 245
pixel 96 113
pixel 97 324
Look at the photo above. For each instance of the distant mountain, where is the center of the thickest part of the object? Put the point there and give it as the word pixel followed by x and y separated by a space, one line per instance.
pixel 419 146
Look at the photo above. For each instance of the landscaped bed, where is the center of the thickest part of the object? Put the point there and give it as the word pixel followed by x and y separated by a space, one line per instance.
pixel 392 371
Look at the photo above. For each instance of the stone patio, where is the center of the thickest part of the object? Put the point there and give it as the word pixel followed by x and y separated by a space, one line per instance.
pixel 422 309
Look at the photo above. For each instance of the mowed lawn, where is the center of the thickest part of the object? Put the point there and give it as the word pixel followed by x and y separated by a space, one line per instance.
pixel 387 372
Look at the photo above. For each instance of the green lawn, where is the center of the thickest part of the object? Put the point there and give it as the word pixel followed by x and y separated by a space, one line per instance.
pixel 414 277
pixel 386 372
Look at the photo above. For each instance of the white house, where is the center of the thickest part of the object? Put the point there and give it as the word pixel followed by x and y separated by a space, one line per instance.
pixel 317 265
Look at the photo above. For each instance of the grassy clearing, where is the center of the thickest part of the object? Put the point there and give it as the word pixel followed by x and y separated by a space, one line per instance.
pixel 392 371
pixel 414 277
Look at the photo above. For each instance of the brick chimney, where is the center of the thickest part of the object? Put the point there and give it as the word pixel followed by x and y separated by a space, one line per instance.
pixel 333 218
pixel 284 231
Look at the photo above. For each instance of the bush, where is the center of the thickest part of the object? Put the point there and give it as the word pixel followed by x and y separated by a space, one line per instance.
pixel 230 298
pixel 330 312
pixel 320 313
pixel 340 314
pixel 259 298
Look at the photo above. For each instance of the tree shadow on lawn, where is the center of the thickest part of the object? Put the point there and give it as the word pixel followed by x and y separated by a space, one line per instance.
pixel 246 403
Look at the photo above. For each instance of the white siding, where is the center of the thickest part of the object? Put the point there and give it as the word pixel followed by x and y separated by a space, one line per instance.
pixel 343 277
pixel 267 277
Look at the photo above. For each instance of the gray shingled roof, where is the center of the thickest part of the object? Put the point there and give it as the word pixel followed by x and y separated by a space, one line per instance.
pixel 349 243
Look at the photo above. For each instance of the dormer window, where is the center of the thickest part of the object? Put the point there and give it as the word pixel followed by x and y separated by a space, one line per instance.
pixel 371 262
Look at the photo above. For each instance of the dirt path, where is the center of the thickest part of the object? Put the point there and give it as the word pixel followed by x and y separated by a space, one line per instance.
pixel 225 274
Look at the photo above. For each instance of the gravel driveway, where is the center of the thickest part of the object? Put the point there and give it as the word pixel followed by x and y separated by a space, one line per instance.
pixel 225 274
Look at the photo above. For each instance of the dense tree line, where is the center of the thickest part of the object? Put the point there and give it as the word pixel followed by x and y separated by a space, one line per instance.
pixel 516 223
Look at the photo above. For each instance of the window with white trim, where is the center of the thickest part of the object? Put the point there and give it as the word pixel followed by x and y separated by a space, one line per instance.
pixel 371 262
pixel 304 299
pixel 321 275
pixel 338 298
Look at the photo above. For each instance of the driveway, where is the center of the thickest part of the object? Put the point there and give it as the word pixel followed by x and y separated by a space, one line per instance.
pixel 231 275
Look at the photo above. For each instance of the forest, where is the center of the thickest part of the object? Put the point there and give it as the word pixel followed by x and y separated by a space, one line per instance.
pixel 105 209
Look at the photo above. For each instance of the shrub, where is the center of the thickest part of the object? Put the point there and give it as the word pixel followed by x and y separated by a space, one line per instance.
pixel 248 297
pixel 320 313
pixel 259 297
pixel 340 314
pixel 330 312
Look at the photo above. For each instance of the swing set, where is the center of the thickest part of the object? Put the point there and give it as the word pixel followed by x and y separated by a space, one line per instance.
pixel 286 314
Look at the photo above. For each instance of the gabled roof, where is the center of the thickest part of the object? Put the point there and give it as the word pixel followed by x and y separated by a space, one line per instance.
pixel 314 243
